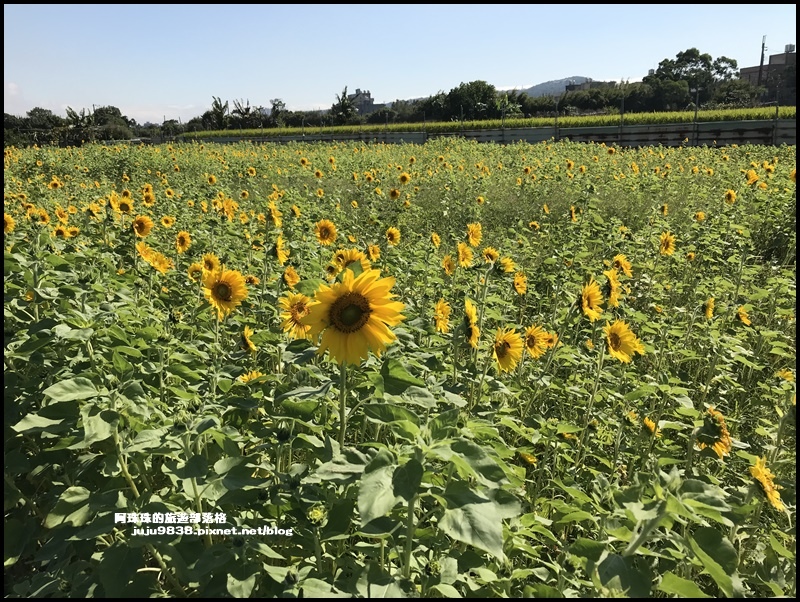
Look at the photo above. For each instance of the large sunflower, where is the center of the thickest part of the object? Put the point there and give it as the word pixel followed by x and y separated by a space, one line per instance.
pixel 224 290
pixel 247 343
pixel 622 343
pixel 353 316
pixel 344 257
pixel 8 223
pixel 295 307
pixel 765 477
pixel 490 254
pixel 536 341
pixel 279 252
pixel 441 316
pixel 326 232
pixel 210 262
pixel 449 265
pixel 621 262
pixel 507 348
pixel 613 287
pixel 714 434
pixel 472 332
pixel 393 236
pixel 291 277
pixel 591 300
pixel 142 225
pixel 464 255
pixel 666 243
pixel 520 283
pixel 183 241
pixel 474 234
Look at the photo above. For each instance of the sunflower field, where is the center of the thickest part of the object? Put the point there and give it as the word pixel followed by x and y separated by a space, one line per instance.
pixel 446 370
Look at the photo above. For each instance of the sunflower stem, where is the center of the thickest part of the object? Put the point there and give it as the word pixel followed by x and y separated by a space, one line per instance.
pixel 587 417
pixel 342 404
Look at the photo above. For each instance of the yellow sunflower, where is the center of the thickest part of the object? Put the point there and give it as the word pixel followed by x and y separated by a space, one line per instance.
pixel 168 221
pixel 708 308
pixel 520 283
pixel 464 255
pixel 353 316
pixel 374 252
pixel 490 254
pixel 344 257
pixel 252 375
pixel 210 262
pixel 506 264
pixel 765 478
pixel 8 223
pixel 714 434
pixel 449 265
pixel 279 252
pixel 536 341
pixel 667 243
pixel 620 262
pixel 325 232
pixel 651 427
pixel 393 236
pixel 290 277
pixel 472 332
pixel 142 225
pixel 394 194
pixel 405 178
pixel 295 307
pixel 700 216
pixel 435 240
pixel 474 234
pixel 591 300
pixel 613 287
pixel 741 313
pixel 441 316
pixel 195 271
pixel 183 241
pixel 224 290
pixel 507 349
pixel 622 343
pixel 246 342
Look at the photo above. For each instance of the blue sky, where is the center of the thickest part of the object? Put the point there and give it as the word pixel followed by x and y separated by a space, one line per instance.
pixel 156 61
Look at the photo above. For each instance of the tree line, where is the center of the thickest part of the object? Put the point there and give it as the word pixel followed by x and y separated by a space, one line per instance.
pixel 691 78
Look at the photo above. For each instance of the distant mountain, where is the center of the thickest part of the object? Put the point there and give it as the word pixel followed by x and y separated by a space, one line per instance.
pixel 553 87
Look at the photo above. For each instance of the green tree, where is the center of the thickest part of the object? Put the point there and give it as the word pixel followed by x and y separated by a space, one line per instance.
pixel 219 113
pixel 475 100
pixel 343 110
pixel 277 112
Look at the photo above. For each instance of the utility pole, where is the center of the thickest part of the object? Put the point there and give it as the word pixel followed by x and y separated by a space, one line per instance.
pixel 761 64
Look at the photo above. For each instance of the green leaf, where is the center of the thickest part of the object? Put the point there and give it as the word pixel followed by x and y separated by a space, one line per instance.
pixel 306 392
pixel 396 378
pixel 717 555
pixel 387 413
pixel 407 479
pixel 472 519
pixel 184 372
pixel 376 495
pixel 780 548
pixel 479 461
pixel 33 423
pixel 242 580
pixel 678 586
pixel 74 388
pixel 118 565
pixel 443 424
pixel 71 508
pixel 618 572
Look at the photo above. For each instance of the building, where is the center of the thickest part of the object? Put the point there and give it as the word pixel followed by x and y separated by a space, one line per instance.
pixel 363 102
pixel 778 76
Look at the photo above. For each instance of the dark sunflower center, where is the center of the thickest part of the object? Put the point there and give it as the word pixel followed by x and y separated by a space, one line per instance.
pixel 615 341
pixel 324 232
pixel 222 291
pixel 501 349
pixel 350 312
pixel 298 311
